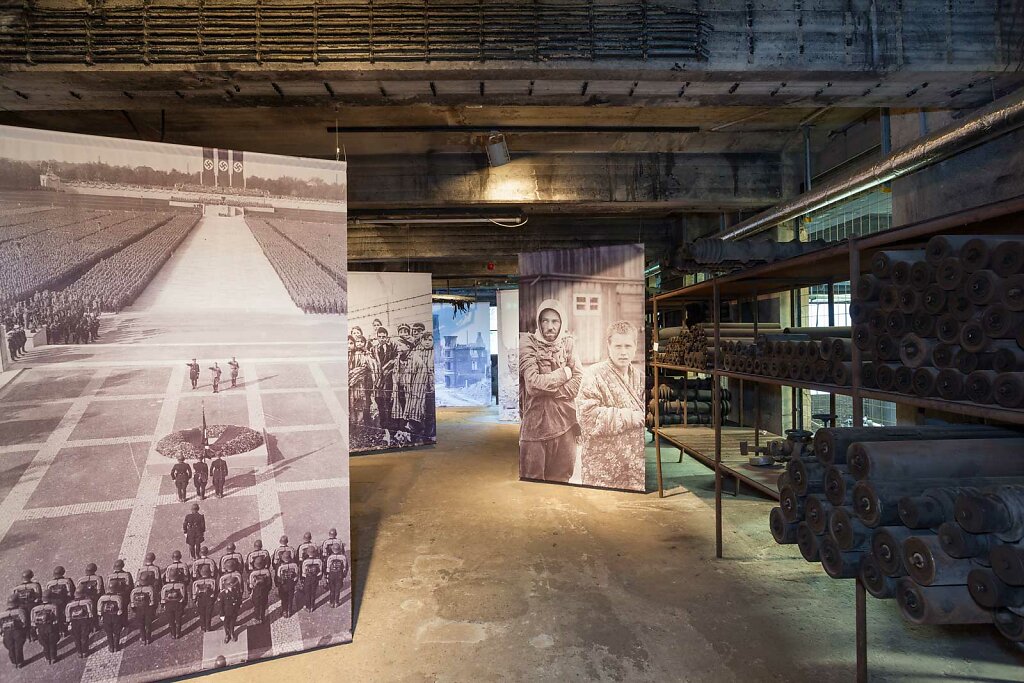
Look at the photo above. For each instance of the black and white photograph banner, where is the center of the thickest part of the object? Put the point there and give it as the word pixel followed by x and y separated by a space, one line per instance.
pixel 508 355
pixel 581 373
pixel 462 354
pixel 390 361
pixel 174 419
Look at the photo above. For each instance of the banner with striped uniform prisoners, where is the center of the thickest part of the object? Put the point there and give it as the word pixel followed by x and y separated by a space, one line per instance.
pixel 173 408
pixel 390 361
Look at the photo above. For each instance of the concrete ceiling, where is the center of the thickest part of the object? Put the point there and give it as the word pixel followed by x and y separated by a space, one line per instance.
pixel 651 118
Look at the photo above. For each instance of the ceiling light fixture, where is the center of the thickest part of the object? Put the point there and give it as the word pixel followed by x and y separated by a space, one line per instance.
pixel 497 150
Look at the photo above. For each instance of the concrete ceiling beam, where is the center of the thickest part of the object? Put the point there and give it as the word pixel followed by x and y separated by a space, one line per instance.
pixel 685 181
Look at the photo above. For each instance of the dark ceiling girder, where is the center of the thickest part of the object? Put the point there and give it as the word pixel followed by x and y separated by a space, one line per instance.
pixel 513 129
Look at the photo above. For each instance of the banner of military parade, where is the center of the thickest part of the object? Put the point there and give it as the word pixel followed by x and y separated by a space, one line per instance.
pixel 581 373
pixel 174 407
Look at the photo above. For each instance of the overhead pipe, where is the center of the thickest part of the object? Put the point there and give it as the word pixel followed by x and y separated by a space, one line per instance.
pixel 998 118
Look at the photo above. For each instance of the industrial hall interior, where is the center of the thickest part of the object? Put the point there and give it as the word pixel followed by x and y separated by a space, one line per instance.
pixel 493 340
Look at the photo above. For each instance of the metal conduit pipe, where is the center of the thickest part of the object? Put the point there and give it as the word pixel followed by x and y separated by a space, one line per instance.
pixel 998 118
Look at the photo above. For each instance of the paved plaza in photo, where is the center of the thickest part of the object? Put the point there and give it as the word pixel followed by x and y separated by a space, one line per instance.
pixel 81 481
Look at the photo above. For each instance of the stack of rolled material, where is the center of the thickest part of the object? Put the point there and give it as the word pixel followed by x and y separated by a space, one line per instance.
pixel 932 516
pixel 695 399
pixel 809 354
pixel 945 321
pixel 693 346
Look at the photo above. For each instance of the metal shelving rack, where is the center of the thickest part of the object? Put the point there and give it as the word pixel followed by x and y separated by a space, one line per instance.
pixel 826 266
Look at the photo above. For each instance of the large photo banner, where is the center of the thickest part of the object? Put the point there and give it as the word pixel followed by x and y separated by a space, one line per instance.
pixel 508 355
pixel 174 426
pixel 581 373
pixel 390 361
pixel 462 354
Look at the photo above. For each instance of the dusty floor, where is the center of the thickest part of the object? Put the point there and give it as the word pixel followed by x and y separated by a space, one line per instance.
pixel 464 573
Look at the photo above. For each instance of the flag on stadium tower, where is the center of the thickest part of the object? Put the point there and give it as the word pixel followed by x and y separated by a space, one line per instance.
pixel 223 173
pixel 206 171
pixel 237 167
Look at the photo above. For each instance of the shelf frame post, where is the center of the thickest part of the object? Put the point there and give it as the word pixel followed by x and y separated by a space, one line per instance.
pixel 757 385
pixel 716 415
pixel 656 428
pixel 831 323
pixel 860 610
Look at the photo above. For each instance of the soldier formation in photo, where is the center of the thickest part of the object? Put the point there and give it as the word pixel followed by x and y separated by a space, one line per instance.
pixel 67 318
pixel 391 382
pixel 121 602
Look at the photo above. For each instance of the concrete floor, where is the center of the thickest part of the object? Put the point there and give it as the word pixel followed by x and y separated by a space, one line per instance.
pixel 464 573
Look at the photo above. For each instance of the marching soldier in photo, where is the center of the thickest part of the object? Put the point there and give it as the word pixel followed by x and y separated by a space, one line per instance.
pixel 112 610
pixel 121 581
pixel 230 604
pixel 325 547
pixel 312 572
pixel 60 589
pixel 215 371
pixel 177 571
pixel 28 593
pixel 174 599
pixel 219 474
pixel 287 577
pixel 81 616
pixel 233 364
pixel 151 571
pixel 306 545
pixel 204 593
pixel 14 627
pixel 281 552
pixel 122 584
pixel 227 578
pixel 204 561
pixel 194 527
pixel 143 600
pixel 257 552
pixel 201 475
pixel 181 473
pixel 193 372
pixel 47 627
pixel 12 344
pixel 93 585
pixel 230 581
pixel 337 569
pixel 231 561
pixel 261 580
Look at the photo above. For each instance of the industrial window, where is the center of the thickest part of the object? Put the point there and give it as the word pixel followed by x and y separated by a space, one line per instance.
pixel 587 304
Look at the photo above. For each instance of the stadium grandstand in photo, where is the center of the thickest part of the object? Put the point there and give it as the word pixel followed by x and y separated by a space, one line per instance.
pixel 157 301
